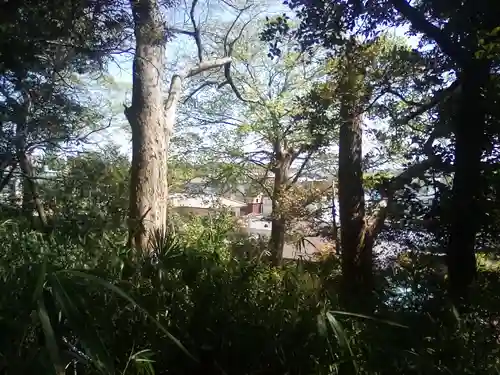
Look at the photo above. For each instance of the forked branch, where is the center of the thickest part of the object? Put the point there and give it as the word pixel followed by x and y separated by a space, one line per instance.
pixel 228 48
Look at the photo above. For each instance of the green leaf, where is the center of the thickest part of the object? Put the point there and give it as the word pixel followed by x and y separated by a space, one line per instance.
pixel 105 284
pixel 50 338
pixel 342 339
pixel 79 321
pixel 321 323
pixel 354 315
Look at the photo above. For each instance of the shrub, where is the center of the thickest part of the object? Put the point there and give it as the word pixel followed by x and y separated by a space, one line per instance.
pixel 191 307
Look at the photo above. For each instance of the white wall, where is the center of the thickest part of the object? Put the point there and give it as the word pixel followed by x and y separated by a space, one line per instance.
pixel 267 206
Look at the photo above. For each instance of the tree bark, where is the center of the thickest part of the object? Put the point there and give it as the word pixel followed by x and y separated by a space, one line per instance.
pixel 335 229
pixel 466 191
pixel 469 129
pixel 356 246
pixel 6 179
pixel 278 223
pixel 146 115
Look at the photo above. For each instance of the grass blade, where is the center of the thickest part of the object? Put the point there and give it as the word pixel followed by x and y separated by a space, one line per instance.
pixel 50 338
pixel 354 315
pixel 80 324
pixel 342 338
pixel 107 285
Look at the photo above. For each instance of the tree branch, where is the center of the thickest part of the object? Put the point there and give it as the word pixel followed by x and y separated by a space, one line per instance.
pixel 181 31
pixel 228 51
pixel 302 166
pixel 6 179
pixel 196 31
pixel 199 88
pixel 207 65
pixel 375 221
pixel 434 101
pixel 420 23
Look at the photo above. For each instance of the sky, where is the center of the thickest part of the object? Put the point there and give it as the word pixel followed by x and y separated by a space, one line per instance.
pixel 179 52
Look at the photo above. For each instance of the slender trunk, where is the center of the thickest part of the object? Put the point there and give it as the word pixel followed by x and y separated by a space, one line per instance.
pixel 335 229
pixel 277 240
pixel 174 95
pixel 278 227
pixel 356 244
pixel 469 143
pixel 31 196
pixel 146 115
pixel 7 180
pixel 27 203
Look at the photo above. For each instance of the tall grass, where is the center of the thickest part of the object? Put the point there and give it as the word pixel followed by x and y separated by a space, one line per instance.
pixel 89 306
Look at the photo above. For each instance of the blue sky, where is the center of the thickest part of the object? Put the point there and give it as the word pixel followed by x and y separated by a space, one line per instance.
pixel 179 53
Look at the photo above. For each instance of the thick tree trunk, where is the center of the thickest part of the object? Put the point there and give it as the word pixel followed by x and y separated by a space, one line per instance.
pixel 355 240
pixel 469 144
pixel 356 246
pixel 278 223
pixel 146 115
pixel 469 129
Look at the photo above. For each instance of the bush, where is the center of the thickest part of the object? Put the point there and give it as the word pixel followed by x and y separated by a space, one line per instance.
pixel 190 307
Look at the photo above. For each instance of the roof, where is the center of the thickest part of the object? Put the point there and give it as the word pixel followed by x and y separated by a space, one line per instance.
pixel 204 201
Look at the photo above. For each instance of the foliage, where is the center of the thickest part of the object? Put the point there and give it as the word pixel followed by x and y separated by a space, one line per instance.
pixel 104 308
pixel 94 194
pixel 205 299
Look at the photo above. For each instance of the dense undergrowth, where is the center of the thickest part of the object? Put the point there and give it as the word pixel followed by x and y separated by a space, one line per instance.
pixel 89 306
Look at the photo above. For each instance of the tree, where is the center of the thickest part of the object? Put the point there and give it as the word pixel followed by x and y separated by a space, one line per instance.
pixel 87 193
pixel 454 35
pixel 39 110
pixel 152 118
pixel 363 79
pixel 268 117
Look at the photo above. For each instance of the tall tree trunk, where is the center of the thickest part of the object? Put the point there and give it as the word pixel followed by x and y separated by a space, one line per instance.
pixel 466 191
pixel 469 129
pixel 146 115
pixel 278 223
pixel 356 248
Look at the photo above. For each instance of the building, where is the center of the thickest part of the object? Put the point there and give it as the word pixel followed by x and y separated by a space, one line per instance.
pixel 203 204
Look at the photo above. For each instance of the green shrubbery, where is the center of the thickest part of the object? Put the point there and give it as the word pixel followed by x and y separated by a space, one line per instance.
pixel 91 305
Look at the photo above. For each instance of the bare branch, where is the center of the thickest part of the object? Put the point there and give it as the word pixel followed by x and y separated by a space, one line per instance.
pixel 419 22
pixel 302 166
pixel 207 65
pixel 181 31
pixel 199 88
pixel 196 31
pixel 261 182
pixel 228 51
